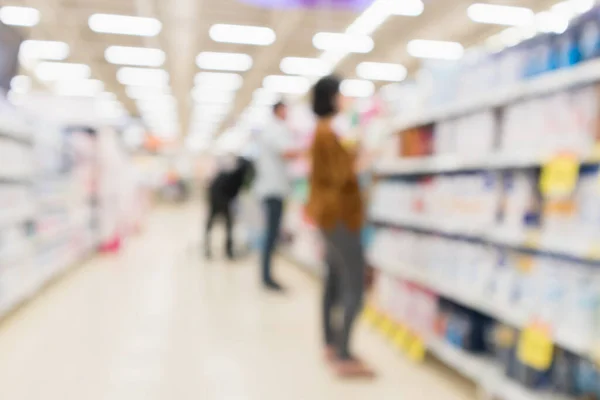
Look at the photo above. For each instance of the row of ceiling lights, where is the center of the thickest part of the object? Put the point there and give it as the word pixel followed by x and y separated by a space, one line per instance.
pixel 355 40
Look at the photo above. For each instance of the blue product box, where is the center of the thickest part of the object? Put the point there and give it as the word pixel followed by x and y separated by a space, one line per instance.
pixel 566 48
pixel 540 56
pixel 588 27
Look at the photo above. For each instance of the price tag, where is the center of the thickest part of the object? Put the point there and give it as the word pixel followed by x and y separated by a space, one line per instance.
pixel 535 348
pixel 559 176
pixel 416 349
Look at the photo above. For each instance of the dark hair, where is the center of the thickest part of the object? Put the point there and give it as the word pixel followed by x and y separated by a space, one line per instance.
pixel 325 92
pixel 278 105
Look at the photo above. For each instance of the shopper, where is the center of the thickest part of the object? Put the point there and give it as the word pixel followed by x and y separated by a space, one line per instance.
pixel 275 144
pixel 222 192
pixel 336 206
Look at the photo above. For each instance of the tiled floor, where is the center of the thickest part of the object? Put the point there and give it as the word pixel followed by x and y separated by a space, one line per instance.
pixel 159 323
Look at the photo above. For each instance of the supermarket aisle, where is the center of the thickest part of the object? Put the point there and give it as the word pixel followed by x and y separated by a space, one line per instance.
pixel 157 322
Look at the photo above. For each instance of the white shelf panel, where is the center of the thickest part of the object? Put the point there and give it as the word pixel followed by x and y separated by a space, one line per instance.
pixel 569 247
pixel 564 79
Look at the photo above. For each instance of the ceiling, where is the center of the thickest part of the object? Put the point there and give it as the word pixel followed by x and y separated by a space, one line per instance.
pixel 185 33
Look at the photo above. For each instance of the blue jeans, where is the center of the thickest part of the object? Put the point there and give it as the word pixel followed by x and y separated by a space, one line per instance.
pixel 273 212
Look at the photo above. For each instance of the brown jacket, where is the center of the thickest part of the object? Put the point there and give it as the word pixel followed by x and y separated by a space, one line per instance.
pixel 334 191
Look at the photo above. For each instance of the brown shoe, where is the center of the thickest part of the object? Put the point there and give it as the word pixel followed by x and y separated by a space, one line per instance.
pixel 352 368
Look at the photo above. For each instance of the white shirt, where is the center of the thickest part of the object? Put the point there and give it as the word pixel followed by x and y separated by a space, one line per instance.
pixel 272 178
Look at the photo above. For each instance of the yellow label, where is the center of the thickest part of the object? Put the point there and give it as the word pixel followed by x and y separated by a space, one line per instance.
pixel 559 176
pixel 416 349
pixel 400 337
pixel 535 348
pixel 525 263
pixel 386 326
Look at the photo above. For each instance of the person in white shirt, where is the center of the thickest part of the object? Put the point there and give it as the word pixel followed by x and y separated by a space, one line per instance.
pixel 276 149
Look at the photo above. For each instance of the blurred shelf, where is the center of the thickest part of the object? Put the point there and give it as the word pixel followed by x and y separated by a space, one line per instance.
pixel 564 79
pixel 480 303
pixel 532 241
pixel 24 140
pixel 454 163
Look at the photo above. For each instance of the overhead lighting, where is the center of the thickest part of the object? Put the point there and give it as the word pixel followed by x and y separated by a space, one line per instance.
pixel 51 71
pixel 381 71
pixel 500 15
pixel 20 84
pixel 286 84
pixel 144 92
pixel 224 61
pixel 435 49
pixel 124 25
pixel 137 56
pixel 304 66
pixel 219 80
pixel 551 22
pixel 202 95
pixel 143 77
pixel 242 34
pixel 343 42
pixel 409 8
pixel 511 36
pixel 19 16
pixel 44 50
pixel 357 88
pixel 83 88
pixel 263 97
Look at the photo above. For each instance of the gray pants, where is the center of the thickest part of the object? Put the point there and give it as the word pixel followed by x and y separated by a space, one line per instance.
pixel 344 286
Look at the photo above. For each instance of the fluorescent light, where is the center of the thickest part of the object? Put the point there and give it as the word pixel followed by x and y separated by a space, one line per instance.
pixel 143 77
pixel 286 84
pixel 124 25
pixel 144 92
pixel 51 71
pixel 343 42
pixel 551 22
pixel 409 8
pixel 20 84
pixel 263 97
pixel 138 56
pixel 110 97
pixel 202 95
pixel 500 15
pixel 19 16
pixel 44 50
pixel 242 34
pixel 84 87
pixel 511 36
pixel 435 49
pixel 224 61
pixel 219 80
pixel 304 66
pixel 381 71
pixel 357 88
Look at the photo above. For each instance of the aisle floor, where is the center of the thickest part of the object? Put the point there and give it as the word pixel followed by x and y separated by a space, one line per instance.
pixel 157 322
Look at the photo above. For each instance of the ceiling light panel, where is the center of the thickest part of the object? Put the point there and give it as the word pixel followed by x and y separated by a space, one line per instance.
pixel 124 25
pixel 500 15
pixel 143 77
pixel 44 50
pixel 20 84
pixel 343 42
pixel 286 84
pixel 144 92
pixel 242 34
pixel 84 87
pixel 50 71
pixel 237 62
pixel 381 71
pixel 263 97
pixel 357 88
pixel 19 16
pixel 219 80
pixel 434 49
pixel 304 66
pixel 202 95
pixel 136 56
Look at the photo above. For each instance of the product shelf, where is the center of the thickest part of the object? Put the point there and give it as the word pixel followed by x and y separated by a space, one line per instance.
pixel 564 79
pixel 510 316
pixel 531 241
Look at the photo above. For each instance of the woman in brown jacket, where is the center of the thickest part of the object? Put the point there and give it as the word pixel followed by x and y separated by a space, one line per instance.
pixel 336 206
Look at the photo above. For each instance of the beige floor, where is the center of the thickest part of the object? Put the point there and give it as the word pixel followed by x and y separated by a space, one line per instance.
pixel 158 322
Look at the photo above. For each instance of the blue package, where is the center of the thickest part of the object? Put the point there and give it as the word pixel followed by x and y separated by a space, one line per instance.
pixel 539 56
pixel 587 378
pixel 566 49
pixel 588 27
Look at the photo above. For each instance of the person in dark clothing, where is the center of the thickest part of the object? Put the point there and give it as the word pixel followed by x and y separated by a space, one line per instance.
pixel 222 191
